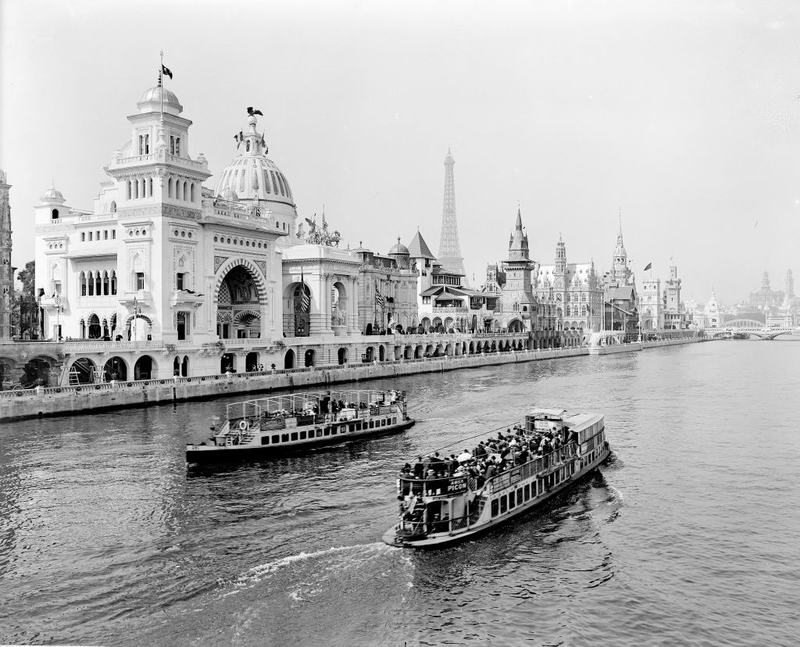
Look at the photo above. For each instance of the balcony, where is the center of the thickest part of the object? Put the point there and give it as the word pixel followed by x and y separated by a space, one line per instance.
pixel 142 297
pixel 185 299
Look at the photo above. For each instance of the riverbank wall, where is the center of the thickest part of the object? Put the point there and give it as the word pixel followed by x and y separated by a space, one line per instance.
pixel 86 398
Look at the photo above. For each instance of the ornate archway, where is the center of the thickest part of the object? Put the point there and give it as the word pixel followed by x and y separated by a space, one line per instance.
pixel 240 296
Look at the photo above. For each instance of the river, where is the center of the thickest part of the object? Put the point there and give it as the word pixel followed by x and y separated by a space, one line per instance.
pixel 688 535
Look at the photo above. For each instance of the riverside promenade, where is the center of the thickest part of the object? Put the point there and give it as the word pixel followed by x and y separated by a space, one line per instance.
pixel 86 398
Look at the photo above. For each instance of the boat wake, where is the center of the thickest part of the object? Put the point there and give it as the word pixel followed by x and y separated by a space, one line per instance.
pixel 324 562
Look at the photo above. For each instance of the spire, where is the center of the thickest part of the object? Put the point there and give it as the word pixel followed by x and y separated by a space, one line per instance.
pixel 518 225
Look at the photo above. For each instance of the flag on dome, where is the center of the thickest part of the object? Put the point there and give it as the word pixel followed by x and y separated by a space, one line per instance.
pixel 166 70
pixel 648 266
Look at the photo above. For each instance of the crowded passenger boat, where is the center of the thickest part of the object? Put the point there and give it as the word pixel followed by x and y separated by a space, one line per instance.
pixel 295 422
pixel 444 499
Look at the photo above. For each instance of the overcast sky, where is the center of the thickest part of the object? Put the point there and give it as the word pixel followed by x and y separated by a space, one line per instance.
pixel 683 115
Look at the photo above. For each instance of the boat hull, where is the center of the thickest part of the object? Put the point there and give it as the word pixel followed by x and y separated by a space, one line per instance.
pixel 212 454
pixel 611 349
pixel 393 538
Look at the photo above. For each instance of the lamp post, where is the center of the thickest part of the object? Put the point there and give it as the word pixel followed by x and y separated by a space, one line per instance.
pixel 58 317
pixel 136 312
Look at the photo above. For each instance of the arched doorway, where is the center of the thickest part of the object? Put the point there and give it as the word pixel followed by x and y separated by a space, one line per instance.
pixel 251 362
pixel 342 356
pixel 369 354
pixel 309 357
pixel 36 371
pixel 185 366
pixel 115 369
pixel 143 369
pixel 95 332
pixel 227 363
pixel 82 371
pixel 381 353
pixel 289 359
pixel 339 305
pixel 238 305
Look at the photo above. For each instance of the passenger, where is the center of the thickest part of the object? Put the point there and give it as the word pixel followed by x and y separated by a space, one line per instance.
pixel 419 468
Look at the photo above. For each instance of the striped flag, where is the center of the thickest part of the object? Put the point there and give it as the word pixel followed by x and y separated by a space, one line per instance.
pixel 379 297
pixel 305 300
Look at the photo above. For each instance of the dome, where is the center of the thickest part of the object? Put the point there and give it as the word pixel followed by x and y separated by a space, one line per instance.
pixel 52 195
pixel 399 250
pixel 151 101
pixel 255 177
pixel 228 194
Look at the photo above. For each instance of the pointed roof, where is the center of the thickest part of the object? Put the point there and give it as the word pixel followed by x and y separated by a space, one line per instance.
pixel 419 248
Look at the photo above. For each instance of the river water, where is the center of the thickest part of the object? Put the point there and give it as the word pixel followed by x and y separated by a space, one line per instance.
pixel 687 536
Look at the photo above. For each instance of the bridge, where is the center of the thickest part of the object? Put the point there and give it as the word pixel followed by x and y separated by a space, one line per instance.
pixel 757 329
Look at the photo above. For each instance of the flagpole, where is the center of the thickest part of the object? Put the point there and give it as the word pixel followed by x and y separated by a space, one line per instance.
pixel 161 84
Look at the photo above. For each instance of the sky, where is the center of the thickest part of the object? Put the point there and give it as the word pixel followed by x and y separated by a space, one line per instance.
pixel 679 115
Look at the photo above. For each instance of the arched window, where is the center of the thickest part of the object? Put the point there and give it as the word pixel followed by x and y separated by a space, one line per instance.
pixel 113 207
pixel 98 284
pixel 150 186
pixel 128 185
pixel 191 187
pixel 83 236
pixel 90 283
pixel 82 280
pixel 105 283
pixel 266 181
pixel 113 282
pixel 247 145
pixel 169 188
pixel 54 214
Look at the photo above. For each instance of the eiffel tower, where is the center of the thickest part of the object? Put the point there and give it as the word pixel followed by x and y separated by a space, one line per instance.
pixel 449 249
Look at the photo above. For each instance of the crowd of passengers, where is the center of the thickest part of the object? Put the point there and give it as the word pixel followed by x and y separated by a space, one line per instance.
pixel 335 406
pixel 490 457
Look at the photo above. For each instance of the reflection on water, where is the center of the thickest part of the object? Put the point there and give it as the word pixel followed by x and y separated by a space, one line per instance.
pixel 106 538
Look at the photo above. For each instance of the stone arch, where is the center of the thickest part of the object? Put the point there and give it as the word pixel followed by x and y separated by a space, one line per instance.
pixel 381 353
pixel 418 351
pixel 342 355
pixel 310 357
pixel 408 353
pixel 289 360
pixel 145 368
pixel 339 304
pixel 116 368
pixel 83 371
pixel 255 273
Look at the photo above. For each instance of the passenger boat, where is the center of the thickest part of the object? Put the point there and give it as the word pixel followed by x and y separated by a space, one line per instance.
pixel 289 423
pixel 448 505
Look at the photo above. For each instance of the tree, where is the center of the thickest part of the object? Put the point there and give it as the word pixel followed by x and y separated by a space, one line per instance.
pixel 25 315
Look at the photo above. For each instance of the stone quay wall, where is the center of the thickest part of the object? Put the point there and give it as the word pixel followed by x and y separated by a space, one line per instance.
pixel 85 398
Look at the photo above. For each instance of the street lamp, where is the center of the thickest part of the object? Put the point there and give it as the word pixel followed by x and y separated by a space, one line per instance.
pixel 136 312
pixel 58 317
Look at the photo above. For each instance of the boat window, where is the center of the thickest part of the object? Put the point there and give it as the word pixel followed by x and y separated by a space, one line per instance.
pixel 319 433
pixel 512 500
pixel 394 421
pixel 343 429
pixel 302 435
pixel 527 491
pixel 519 496
pixel 352 426
pixel 284 438
pixel 371 424
pixel 275 439
pixel 294 435
pixel 327 431
pixel 358 426
pixel 333 431
pixel 494 507
pixel 265 440
pixel 503 504
pixel 383 422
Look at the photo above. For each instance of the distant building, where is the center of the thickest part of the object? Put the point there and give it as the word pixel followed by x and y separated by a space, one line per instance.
pixel 765 296
pixel 675 317
pixel 621 309
pixel 651 305
pixel 572 292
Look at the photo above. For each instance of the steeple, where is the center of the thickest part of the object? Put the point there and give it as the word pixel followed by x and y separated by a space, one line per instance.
pixel 561 255
pixel 518 243
pixel 449 247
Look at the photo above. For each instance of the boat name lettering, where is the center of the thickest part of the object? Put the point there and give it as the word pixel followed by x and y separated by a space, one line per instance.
pixel 457 485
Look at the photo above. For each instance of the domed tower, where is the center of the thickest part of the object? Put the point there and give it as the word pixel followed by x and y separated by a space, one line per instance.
pixel 6 271
pixel 255 179
pixel 401 255
pixel 518 299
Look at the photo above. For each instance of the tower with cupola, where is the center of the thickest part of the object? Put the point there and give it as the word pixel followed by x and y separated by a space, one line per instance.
pixel 518 301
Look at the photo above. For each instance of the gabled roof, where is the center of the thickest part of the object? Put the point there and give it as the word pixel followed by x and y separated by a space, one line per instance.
pixel 419 248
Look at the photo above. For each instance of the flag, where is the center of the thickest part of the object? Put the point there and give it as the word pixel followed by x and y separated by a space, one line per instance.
pixel 166 70
pixel 379 297
pixel 648 266
pixel 305 300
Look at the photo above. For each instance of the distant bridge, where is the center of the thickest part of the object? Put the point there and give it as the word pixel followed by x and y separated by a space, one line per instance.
pixel 758 329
